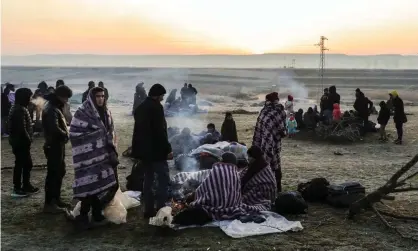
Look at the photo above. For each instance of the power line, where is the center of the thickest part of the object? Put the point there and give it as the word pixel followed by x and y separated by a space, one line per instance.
pixel 322 50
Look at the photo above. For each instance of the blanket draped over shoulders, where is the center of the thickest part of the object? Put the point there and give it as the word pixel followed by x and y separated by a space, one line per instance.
pixel 268 132
pixel 220 193
pixel 93 150
pixel 259 192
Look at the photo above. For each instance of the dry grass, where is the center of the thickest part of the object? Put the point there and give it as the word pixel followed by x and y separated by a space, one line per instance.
pixel 371 163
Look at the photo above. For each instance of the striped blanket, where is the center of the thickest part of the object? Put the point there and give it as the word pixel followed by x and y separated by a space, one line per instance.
pixel 186 182
pixel 259 191
pixel 93 151
pixel 220 193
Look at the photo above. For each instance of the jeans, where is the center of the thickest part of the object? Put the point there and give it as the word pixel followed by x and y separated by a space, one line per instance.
pixel 55 155
pixel 23 166
pixel 159 168
pixel 399 129
pixel 328 116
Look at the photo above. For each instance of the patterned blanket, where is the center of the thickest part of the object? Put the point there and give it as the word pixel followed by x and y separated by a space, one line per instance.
pixel 93 151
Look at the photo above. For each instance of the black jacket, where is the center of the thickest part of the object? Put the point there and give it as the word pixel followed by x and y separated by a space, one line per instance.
pixel 150 140
pixel 20 126
pixel 363 105
pixel 53 122
pixel 398 107
pixel 384 116
pixel 324 103
pixel 229 131
pixel 5 105
pixel 333 97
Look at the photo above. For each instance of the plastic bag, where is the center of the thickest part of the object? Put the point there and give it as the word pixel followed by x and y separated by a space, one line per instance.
pixel 163 217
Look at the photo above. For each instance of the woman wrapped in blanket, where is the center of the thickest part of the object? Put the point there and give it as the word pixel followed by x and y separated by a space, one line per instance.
pixel 228 194
pixel 94 156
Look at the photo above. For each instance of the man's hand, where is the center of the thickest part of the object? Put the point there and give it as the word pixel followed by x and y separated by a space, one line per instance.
pixel 170 156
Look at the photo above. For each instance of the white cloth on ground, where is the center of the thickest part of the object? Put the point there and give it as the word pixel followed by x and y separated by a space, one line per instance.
pixel 274 223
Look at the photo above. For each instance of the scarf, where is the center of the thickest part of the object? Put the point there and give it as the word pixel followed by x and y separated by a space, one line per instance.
pixel 267 133
pixel 94 153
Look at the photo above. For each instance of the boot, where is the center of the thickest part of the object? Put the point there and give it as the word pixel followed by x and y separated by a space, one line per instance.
pixel 53 208
pixel 82 222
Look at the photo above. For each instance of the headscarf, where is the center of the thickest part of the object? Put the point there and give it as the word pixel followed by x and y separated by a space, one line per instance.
pixel 394 93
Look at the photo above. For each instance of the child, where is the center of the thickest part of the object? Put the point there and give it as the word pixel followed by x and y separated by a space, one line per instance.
pixel 336 113
pixel 229 129
pixel 383 119
pixel 289 105
pixel 291 125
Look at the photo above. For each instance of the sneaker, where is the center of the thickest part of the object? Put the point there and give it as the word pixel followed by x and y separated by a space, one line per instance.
pixel 19 193
pixel 62 204
pixel 53 209
pixel 31 189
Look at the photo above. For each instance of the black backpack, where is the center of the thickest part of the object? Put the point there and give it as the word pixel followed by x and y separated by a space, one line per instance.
pixel 290 203
pixel 135 181
pixel 315 190
pixel 343 195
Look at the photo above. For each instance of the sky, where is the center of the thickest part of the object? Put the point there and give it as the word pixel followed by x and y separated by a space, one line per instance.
pixel 137 27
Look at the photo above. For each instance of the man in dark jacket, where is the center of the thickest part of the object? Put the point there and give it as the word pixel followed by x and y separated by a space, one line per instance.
pixel 363 106
pixel 20 129
pixel 399 116
pixel 67 108
pixel 86 93
pixel 139 96
pixel 323 105
pixel 150 145
pixel 56 136
pixel 5 109
pixel 333 97
pixel 192 93
pixel 106 92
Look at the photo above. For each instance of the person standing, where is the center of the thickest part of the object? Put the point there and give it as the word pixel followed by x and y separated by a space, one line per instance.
pixel 5 109
pixel 67 109
pixel 86 93
pixel 139 96
pixel 268 133
pixel 324 102
pixel 106 92
pixel 20 139
pixel 93 143
pixel 363 107
pixel 56 136
pixel 150 145
pixel 383 119
pixel 399 116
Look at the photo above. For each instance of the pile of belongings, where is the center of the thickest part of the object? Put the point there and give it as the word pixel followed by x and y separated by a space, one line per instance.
pixel 205 156
pixel 348 129
pixel 337 195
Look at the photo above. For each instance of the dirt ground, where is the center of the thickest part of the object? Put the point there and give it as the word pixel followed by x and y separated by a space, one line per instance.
pixel 24 227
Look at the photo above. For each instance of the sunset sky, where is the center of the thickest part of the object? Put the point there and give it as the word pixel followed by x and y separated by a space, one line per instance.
pixel 207 26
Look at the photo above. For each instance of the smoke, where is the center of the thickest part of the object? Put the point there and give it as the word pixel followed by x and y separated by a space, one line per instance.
pixel 39 102
pixel 284 80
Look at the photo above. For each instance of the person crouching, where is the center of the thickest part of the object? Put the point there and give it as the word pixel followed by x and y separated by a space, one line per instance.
pixel 94 156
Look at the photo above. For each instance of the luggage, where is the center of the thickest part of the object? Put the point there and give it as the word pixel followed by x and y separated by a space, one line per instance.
pixel 343 195
pixel 290 203
pixel 315 190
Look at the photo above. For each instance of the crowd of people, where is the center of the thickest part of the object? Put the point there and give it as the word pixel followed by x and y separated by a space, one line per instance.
pixel 95 159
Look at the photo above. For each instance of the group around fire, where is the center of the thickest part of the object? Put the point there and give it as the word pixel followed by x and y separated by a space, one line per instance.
pixel 230 188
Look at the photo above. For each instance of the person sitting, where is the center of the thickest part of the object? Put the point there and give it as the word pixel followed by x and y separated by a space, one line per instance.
pixel 310 119
pixel 211 134
pixel 229 129
pixel 139 96
pixel 299 119
pixel 184 142
pixel 171 97
pixel 383 119
pixel 291 125
pixel 258 183
pixel 336 113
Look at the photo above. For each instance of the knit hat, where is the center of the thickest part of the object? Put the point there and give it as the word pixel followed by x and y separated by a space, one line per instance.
pixel 156 90
pixel 272 97
pixel 229 158
pixel 394 93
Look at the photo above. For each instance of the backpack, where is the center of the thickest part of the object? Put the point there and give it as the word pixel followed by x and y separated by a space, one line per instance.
pixel 315 190
pixel 343 195
pixel 135 181
pixel 290 203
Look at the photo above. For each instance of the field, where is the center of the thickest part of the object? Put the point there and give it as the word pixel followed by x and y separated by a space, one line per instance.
pixel 24 227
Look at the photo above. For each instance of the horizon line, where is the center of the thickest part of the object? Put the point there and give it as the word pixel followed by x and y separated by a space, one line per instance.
pixel 192 55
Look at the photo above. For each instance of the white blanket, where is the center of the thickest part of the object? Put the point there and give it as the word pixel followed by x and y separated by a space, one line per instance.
pixel 274 223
